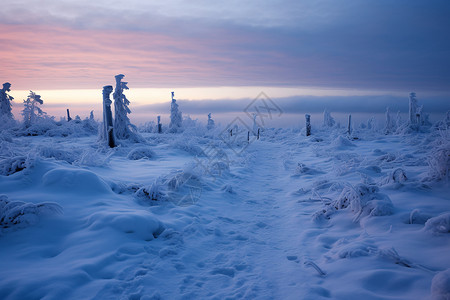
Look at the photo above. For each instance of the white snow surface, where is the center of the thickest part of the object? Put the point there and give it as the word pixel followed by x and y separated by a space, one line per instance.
pixel 288 217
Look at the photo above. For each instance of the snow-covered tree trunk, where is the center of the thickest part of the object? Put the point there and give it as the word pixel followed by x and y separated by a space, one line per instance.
pixel 5 101
pixel 308 124
pixel 349 127
pixel 68 116
pixel 159 124
pixel 108 128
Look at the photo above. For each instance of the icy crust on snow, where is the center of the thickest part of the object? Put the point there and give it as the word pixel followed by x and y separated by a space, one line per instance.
pixel 182 216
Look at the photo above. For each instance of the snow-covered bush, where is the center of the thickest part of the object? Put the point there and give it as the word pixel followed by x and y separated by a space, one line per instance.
pixel 140 153
pixel 57 153
pixel 328 120
pixel 11 165
pixel 155 192
pixel 31 111
pixel 396 177
pixel 439 224
pixel 17 214
pixel 362 200
pixel 175 116
pixel 210 124
pixel 93 158
pixel 439 159
pixel 440 286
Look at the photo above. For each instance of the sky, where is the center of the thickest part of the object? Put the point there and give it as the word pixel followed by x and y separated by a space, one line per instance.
pixel 68 50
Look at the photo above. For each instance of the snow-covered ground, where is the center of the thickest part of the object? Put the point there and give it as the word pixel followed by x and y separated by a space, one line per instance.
pixel 196 216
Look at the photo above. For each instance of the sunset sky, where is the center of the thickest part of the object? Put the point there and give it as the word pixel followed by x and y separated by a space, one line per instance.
pixel 292 48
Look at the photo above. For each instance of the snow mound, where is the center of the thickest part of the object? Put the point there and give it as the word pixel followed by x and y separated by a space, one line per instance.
pixel 439 224
pixel 17 214
pixel 440 286
pixel 141 153
pixel 139 224
pixel 75 181
pixel 342 143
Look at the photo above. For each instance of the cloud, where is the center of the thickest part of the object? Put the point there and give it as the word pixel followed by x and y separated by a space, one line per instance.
pixel 304 104
pixel 371 44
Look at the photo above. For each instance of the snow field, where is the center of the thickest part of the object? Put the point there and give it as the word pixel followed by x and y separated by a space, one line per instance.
pixel 292 217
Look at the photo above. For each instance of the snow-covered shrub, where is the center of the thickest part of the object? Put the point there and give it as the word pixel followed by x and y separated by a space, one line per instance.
pixel 362 200
pixel 9 166
pixel 140 153
pixel 328 120
pixel 439 224
pixel 40 126
pixel 19 214
pixel 155 192
pixel 94 158
pixel 175 116
pixel 439 160
pixel 211 123
pixel 148 127
pixel 58 154
pixel 189 145
pixel 440 286
pixel 398 176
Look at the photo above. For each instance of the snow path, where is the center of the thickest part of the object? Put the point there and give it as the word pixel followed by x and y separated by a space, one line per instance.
pixel 236 247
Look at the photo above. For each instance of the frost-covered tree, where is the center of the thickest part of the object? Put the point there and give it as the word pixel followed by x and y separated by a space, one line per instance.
pixel 176 118
pixel 398 120
pixel 5 101
pixel 123 129
pixel 328 120
pixel 255 124
pixel 210 122
pixel 31 111
pixel 413 109
pixel 389 126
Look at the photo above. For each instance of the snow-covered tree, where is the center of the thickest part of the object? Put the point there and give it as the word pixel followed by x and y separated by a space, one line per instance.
pixel 328 120
pixel 210 122
pixel 389 126
pixel 413 109
pixel 31 111
pixel 123 129
pixel 255 125
pixel 5 101
pixel 176 118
